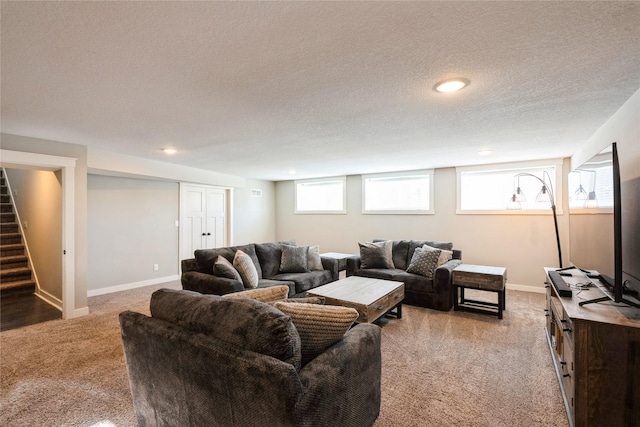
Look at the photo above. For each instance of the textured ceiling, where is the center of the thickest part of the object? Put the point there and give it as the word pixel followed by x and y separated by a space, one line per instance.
pixel 326 88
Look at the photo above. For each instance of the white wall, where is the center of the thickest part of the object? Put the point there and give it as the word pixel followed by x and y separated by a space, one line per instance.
pixel 524 244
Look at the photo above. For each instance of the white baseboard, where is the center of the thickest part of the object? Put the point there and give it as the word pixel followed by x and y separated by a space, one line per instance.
pixel 79 312
pixel 49 299
pixel 134 285
pixel 526 288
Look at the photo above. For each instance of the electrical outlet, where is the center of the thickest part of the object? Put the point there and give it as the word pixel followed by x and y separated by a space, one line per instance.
pixel 25 225
pixel 155 267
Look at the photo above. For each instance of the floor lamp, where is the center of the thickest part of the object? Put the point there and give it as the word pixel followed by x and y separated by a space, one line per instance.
pixel 545 194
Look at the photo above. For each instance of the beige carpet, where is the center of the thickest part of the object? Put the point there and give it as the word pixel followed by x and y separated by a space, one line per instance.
pixel 439 369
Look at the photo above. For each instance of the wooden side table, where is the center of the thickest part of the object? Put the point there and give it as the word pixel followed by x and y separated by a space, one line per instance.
pixel 481 277
pixel 342 259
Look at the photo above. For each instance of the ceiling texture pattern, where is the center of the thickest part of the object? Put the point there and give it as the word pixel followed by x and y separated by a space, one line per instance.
pixel 326 88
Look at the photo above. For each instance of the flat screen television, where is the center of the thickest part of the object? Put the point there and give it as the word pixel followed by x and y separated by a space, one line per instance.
pixel 604 226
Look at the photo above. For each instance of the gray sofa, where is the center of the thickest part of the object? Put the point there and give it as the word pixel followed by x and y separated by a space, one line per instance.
pixel 206 360
pixel 432 292
pixel 197 272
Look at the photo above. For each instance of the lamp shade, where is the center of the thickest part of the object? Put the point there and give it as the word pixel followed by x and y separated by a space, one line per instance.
pixel 513 203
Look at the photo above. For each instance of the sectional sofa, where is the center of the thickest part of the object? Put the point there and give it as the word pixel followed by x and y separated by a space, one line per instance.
pixel 198 272
pixel 432 290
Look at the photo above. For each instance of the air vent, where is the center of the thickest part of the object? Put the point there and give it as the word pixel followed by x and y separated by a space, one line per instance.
pixel 256 192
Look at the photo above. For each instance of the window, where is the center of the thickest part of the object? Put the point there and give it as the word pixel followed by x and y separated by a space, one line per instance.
pixel 398 193
pixel 325 195
pixel 488 189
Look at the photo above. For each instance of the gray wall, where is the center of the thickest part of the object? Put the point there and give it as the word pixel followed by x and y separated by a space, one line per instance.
pixel 38 199
pixel 524 244
pixel 131 227
pixel 254 218
pixel 624 128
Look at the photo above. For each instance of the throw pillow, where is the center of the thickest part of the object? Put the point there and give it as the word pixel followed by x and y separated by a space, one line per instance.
pixel 247 269
pixel 376 255
pixel 268 295
pixel 223 268
pixel 315 263
pixel 424 261
pixel 319 326
pixel 295 259
pixel 445 255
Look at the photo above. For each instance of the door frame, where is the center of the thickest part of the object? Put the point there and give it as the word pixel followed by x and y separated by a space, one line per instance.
pixel 23 160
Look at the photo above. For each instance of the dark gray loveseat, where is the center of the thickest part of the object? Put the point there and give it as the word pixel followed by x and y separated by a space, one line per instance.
pixel 198 276
pixel 206 360
pixel 432 292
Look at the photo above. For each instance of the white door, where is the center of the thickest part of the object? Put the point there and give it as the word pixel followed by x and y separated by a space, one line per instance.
pixel 216 216
pixel 203 218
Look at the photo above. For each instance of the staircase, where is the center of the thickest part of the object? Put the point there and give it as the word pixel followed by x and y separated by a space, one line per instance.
pixel 15 273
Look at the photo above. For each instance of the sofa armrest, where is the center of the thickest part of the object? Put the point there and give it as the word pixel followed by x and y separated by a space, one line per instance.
pixel 442 277
pixel 209 284
pixel 330 264
pixel 342 384
pixel 189 264
pixel 353 264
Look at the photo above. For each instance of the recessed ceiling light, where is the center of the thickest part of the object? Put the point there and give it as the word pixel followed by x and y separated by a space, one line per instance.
pixel 485 152
pixel 292 172
pixel 451 85
pixel 170 150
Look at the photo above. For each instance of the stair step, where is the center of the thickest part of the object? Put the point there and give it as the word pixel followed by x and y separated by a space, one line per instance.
pixel 15 274
pixel 6 207
pixel 5 198
pixel 4 189
pixel 7 217
pixel 14 261
pixel 11 250
pixel 9 227
pixel 10 238
pixel 17 287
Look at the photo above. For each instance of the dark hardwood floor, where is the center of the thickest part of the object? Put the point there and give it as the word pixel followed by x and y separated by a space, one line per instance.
pixel 23 310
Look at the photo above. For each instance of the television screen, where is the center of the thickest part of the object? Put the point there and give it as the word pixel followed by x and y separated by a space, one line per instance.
pixel 591 218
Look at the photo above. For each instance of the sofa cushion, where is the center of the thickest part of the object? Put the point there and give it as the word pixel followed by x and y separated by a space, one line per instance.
pixel 319 326
pixel 445 255
pixel 424 261
pixel 306 281
pixel 376 255
pixel 412 282
pixel 295 259
pixel 269 255
pixel 270 294
pixel 247 269
pixel 413 244
pixel 267 283
pixel 207 257
pixel 223 268
pixel 399 251
pixel 244 323
pixel 315 262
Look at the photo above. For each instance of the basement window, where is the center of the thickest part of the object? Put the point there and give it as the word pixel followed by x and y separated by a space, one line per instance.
pixel 321 196
pixel 487 189
pixel 398 193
